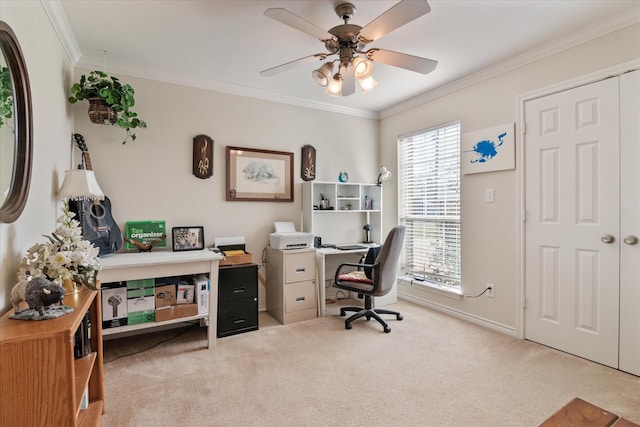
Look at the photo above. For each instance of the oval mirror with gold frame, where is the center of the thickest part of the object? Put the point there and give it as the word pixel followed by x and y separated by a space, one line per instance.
pixel 16 143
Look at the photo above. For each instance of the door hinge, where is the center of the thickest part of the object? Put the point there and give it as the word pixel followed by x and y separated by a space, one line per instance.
pixel 524 303
pixel 524 215
pixel 523 125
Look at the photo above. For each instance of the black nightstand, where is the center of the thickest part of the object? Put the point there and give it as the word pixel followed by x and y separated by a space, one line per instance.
pixel 237 299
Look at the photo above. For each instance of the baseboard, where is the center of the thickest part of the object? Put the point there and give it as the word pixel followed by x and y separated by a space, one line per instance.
pixel 487 323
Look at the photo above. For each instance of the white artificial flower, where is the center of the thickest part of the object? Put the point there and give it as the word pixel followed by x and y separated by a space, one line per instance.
pixel 66 255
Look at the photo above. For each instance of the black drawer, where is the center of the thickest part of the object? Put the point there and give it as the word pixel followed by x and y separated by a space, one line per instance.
pixel 237 282
pixel 237 316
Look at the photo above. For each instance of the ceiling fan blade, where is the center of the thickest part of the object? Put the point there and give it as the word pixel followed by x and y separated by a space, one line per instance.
pixel 402 60
pixel 289 65
pixel 400 14
pixel 348 81
pixel 294 21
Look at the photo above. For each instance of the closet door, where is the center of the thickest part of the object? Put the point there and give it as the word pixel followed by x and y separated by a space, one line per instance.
pixel 630 222
pixel 582 192
pixel 572 224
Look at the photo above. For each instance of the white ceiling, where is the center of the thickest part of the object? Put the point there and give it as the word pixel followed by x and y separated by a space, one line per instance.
pixel 223 45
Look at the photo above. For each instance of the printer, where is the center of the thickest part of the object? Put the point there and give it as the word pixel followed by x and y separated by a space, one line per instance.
pixel 286 237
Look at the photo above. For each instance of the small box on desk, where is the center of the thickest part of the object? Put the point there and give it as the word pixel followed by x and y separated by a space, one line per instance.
pixel 235 255
pixel 244 258
pixel 114 304
pixel 176 312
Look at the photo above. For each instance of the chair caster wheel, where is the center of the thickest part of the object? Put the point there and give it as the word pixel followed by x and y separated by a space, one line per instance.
pixel 399 317
pixel 347 326
pixel 343 313
pixel 368 318
pixel 387 329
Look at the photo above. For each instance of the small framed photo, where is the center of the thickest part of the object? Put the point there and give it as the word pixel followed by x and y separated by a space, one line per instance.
pixel 188 238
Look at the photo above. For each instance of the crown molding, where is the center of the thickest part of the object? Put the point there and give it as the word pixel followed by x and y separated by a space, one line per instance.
pixel 58 19
pixel 61 25
pixel 511 64
pixel 227 88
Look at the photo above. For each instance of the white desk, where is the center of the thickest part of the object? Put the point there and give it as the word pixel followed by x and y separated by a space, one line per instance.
pixel 145 265
pixel 331 257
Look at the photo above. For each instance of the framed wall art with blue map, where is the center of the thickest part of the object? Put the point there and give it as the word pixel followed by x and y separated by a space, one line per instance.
pixel 488 150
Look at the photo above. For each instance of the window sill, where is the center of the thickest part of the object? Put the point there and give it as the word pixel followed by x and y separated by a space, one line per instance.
pixel 430 286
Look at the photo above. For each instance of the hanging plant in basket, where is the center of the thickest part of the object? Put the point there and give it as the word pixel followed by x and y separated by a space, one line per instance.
pixel 6 98
pixel 110 101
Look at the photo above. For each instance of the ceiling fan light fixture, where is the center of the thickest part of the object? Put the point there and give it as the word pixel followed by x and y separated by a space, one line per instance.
pixel 322 75
pixel 363 68
pixel 335 86
pixel 348 41
pixel 367 84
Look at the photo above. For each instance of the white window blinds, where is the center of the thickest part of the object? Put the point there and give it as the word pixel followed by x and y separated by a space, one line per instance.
pixel 430 203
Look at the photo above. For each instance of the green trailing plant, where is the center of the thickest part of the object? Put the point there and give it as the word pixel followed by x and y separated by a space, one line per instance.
pixel 6 97
pixel 120 97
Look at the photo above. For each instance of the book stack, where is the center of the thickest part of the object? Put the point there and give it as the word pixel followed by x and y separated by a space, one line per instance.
pixel 82 338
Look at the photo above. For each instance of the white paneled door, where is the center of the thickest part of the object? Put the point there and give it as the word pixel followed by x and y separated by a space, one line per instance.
pixel 630 223
pixel 577 220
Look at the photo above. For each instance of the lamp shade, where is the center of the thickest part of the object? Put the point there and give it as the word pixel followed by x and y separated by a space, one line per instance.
pixel 367 84
pixel 80 184
pixel 322 75
pixel 335 86
pixel 362 68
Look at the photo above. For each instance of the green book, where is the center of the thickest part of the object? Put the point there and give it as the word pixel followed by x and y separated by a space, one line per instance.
pixel 146 232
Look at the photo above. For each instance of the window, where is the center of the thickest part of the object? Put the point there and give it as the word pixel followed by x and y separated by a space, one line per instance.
pixel 429 180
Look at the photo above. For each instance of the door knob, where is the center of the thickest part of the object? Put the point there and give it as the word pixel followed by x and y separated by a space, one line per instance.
pixel 631 240
pixel 607 238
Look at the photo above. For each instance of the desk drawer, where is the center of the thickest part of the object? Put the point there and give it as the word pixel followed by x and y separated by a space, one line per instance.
pixel 300 296
pixel 237 282
pixel 238 316
pixel 300 267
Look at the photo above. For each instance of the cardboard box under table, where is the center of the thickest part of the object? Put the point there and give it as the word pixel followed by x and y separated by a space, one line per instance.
pixel 184 293
pixel 140 301
pixel 114 304
pixel 176 312
pixel 165 295
pixel 201 283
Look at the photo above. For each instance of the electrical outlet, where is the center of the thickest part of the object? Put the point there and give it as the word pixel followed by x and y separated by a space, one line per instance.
pixel 491 290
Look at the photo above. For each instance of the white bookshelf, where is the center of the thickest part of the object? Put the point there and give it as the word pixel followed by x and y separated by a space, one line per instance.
pixel 348 212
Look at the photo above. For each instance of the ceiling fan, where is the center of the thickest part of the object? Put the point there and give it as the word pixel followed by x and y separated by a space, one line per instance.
pixel 348 43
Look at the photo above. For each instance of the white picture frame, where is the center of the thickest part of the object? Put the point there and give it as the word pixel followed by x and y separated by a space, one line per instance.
pixel 488 150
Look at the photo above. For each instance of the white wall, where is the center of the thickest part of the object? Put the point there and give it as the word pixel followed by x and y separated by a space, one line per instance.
pixel 151 179
pixel 489 246
pixel 50 72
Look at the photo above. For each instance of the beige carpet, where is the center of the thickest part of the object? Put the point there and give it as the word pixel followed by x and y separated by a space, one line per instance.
pixel 431 370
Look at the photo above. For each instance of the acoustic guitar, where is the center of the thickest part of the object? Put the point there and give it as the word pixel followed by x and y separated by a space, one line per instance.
pixel 98 225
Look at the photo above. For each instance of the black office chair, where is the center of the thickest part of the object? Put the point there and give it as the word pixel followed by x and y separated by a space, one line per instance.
pixel 375 277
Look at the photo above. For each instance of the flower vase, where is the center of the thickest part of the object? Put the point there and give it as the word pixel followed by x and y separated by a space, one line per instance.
pixel 70 286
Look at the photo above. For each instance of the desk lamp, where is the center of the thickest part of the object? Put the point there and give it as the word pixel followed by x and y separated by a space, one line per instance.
pixel 383 176
pixel 367 232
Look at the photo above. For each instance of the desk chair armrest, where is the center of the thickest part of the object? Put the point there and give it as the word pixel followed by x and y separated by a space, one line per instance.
pixel 375 273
